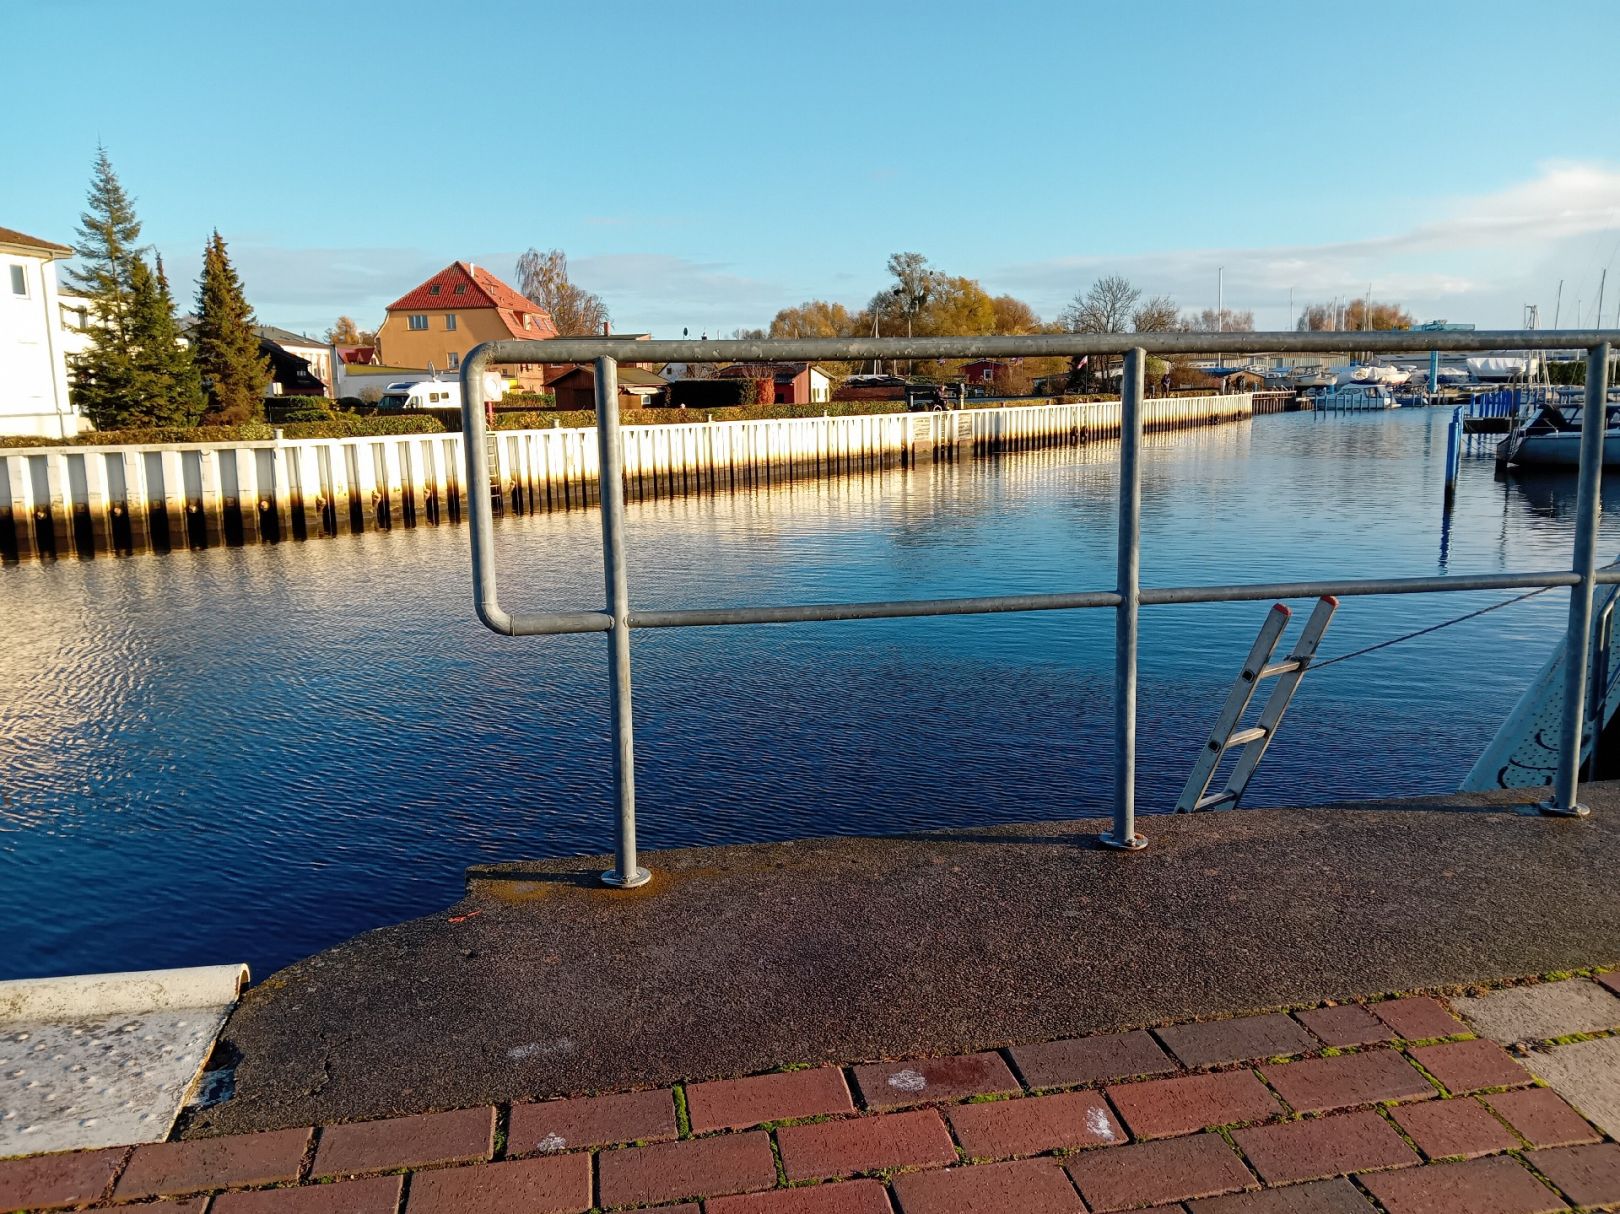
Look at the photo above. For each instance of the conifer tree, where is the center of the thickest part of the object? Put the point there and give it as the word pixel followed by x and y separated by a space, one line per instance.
pixel 168 385
pixel 135 371
pixel 105 375
pixel 234 372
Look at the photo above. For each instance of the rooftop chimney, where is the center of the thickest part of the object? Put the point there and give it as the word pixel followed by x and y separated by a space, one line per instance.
pixel 605 328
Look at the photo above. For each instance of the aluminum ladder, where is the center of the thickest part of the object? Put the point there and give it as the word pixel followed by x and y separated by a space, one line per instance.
pixel 1254 740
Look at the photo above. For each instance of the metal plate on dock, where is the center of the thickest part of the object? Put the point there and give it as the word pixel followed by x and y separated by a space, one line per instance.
pixel 108 1060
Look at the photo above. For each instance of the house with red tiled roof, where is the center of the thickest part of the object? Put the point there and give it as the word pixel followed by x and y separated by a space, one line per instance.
pixel 436 323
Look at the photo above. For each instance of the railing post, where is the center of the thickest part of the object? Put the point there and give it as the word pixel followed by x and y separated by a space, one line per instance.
pixel 1129 568
pixel 1564 801
pixel 610 483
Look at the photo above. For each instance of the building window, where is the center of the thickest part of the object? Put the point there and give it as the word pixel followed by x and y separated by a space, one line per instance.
pixel 433 289
pixel 450 323
pixel 461 288
pixel 528 321
pixel 455 359
pixel 418 322
pixel 19 281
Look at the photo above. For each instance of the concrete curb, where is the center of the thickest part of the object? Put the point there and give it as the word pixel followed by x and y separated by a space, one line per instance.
pixel 90 996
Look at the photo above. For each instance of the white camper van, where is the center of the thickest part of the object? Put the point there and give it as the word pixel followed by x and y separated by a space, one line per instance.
pixel 422 394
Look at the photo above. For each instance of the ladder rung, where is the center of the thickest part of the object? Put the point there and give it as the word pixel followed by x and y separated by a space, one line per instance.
pixel 1210 802
pixel 1277 668
pixel 1246 735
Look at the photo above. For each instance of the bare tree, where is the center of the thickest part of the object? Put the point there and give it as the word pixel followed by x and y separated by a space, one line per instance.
pixel 543 279
pixel 1105 308
pixel 1226 321
pixel 1157 315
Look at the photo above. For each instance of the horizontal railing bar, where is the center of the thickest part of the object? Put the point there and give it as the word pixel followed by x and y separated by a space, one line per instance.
pixel 1169 595
pixel 845 349
pixel 552 623
pixel 902 608
pixel 810 613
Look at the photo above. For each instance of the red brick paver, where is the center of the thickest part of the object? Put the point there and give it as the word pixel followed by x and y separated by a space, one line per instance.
pixel 891 1085
pixel 1418 1018
pixel 1319 1085
pixel 162 1168
pixel 534 1186
pixel 1346 1024
pixel 591 1121
pixel 1323 1146
pixel 47 1181
pixel 1318 1197
pixel 703 1167
pixel 374 1195
pixel 851 1197
pixel 1589 1176
pixel 1030 1186
pixel 464 1136
pixel 1611 980
pixel 735 1104
pixel 999 1129
pixel 1542 1117
pixel 1162 1108
pixel 1471 1066
pixel 163 1205
pixel 1245 1040
pixel 1173 1170
pixel 1063 1064
pixel 865 1144
pixel 1446 1128
pixel 1479 1186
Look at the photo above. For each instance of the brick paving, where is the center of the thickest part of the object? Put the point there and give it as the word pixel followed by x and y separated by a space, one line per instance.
pixel 1390 1107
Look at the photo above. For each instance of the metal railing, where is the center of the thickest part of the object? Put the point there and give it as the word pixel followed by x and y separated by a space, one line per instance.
pixel 617 618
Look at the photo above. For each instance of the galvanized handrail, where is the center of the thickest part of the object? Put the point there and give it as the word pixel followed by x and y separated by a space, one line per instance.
pixel 617 618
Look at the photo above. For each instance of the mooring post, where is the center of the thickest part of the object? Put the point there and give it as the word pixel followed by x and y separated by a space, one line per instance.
pixel 1453 455
pixel 610 486
pixel 1434 376
pixel 1564 802
pixel 1129 568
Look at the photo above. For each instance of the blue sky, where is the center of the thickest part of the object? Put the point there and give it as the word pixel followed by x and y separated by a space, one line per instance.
pixel 704 165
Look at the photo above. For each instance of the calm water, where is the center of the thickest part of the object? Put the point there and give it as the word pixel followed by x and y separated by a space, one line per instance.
pixel 251 754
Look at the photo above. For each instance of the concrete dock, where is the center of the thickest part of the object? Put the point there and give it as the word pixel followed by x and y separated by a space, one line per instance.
pixel 735 960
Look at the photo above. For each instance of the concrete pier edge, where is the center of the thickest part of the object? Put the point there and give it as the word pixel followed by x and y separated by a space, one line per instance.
pixel 737 960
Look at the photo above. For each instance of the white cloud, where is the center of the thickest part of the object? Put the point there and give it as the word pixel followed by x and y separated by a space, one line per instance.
pixel 1480 259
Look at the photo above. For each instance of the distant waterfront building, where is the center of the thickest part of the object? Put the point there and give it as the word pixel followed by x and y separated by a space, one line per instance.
pixel 796 383
pixel 434 325
pixel 315 352
pixel 33 363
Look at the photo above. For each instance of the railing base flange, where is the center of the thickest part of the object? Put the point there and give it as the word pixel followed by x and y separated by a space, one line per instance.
pixel 1134 843
pixel 618 880
pixel 1550 809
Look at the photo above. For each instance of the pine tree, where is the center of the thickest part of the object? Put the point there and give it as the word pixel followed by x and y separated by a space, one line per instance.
pixel 135 371
pixel 234 372
pixel 168 385
pixel 105 374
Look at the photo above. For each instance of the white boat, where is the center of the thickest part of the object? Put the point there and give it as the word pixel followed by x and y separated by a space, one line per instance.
pixel 1549 435
pixel 1356 396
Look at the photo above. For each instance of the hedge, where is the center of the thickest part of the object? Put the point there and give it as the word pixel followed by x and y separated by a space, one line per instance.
pixel 340 426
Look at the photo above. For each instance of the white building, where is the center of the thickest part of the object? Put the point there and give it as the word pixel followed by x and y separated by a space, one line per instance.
pixel 33 364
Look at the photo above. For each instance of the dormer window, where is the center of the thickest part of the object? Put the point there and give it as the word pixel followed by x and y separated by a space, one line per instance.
pixel 461 288
pixel 434 289
pixel 528 321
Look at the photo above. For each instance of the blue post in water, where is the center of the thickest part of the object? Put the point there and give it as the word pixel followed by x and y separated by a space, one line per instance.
pixel 1434 376
pixel 1453 454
